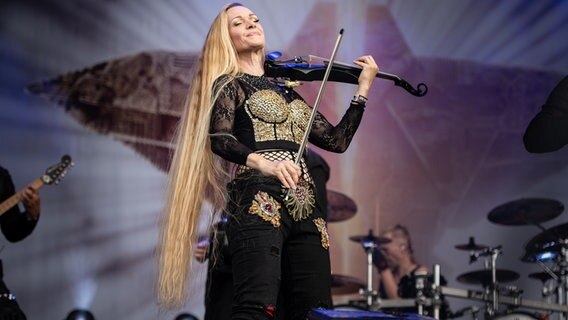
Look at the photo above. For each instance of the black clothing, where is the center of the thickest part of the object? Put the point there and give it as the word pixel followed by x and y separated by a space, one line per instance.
pixel 548 130
pixel 274 243
pixel 319 170
pixel 219 285
pixel 15 226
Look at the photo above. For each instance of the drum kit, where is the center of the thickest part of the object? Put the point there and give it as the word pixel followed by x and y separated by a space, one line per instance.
pixel 548 249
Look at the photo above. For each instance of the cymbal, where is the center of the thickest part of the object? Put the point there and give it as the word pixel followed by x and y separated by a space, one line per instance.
pixel 526 211
pixel 542 276
pixel 546 245
pixel 341 284
pixel 483 277
pixel 339 206
pixel 471 246
pixel 370 238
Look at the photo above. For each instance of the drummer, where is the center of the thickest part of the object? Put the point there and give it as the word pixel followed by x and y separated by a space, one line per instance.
pixel 398 268
pixel 395 261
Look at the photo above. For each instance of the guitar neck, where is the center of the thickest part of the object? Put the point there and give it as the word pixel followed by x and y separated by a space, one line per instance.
pixel 18 196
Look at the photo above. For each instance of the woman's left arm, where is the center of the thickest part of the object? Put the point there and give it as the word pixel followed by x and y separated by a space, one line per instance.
pixel 337 138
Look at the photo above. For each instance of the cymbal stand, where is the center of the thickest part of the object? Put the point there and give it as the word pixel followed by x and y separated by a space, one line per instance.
pixel 562 289
pixel 420 285
pixel 436 291
pixel 494 284
pixel 493 289
pixel 369 293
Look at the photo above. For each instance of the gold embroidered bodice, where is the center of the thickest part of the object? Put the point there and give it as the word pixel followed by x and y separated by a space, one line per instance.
pixel 252 114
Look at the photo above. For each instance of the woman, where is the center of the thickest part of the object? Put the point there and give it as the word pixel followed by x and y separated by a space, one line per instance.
pixel 275 237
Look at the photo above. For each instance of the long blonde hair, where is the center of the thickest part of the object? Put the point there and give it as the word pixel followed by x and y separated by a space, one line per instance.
pixel 196 173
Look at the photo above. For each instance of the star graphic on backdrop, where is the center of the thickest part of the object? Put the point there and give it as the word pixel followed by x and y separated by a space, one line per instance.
pixel 460 134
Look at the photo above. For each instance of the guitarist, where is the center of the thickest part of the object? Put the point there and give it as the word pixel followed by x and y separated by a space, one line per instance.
pixel 15 225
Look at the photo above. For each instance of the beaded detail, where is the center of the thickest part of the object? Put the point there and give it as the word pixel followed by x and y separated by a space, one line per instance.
pixel 301 201
pixel 322 228
pixel 272 117
pixel 266 207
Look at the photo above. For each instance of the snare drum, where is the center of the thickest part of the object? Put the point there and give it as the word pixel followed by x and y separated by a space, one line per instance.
pixel 518 315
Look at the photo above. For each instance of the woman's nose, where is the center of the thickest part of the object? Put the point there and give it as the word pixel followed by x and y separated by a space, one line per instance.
pixel 251 24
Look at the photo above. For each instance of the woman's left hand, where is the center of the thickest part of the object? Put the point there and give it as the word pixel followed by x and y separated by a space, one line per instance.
pixel 31 202
pixel 368 74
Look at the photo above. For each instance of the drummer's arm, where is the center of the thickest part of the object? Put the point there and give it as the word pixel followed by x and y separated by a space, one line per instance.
pixel 389 284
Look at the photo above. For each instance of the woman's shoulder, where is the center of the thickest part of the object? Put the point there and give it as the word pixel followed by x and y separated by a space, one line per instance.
pixel 421 268
pixel 227 84
pixel 224 80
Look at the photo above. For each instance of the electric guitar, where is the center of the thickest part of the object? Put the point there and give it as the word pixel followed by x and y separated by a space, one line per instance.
pixel 52 175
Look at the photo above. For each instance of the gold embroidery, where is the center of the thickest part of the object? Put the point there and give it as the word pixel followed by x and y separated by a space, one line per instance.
pixel 266 207
pixel 268 106
pixel 320 224
pixel 274 119
pixel 301 201
pixel 299 116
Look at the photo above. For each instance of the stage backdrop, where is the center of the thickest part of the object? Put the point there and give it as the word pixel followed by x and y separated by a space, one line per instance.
pixel 104 81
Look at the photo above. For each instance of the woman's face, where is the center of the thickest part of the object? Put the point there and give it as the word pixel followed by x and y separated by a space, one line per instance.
pixel 391 250
pixel 245 29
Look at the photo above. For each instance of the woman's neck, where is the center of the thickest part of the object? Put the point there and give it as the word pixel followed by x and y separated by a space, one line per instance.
pixel 252 62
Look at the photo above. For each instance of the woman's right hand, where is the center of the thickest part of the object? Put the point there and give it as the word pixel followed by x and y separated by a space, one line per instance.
pixel 201 252
pixel 286 170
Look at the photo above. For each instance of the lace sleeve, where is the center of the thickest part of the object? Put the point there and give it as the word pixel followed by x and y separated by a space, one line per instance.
pixel 223 142
pixel 336 138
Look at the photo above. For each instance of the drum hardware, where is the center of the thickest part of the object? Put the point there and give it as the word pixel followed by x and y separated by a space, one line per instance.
pixel 492 287
pixel 397 303
pixel 420 285
pixel 547 271
pixel 471 246
pixel 436 290
pixel 552 245
pixel 547 285
pixel 460 313
pixel 369 243
pixel 506 300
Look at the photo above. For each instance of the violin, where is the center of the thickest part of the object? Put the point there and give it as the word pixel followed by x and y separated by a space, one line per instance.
pixel 312 68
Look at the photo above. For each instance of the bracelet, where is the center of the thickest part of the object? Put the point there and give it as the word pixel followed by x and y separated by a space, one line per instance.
pixel 8 296
pixel 360 100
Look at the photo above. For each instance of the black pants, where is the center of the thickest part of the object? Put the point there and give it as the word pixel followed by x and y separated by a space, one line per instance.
pixel 267 256
pixel 9 309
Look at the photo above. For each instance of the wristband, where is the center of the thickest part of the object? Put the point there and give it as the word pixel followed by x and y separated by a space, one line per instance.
pixel 360 100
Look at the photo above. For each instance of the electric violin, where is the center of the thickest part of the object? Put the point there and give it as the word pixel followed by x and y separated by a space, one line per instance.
pixel 313 68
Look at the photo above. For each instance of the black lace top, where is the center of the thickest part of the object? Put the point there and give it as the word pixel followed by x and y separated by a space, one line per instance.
pixel 253 114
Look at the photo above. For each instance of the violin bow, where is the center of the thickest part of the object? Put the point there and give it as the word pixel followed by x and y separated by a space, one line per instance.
pixel 316 104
